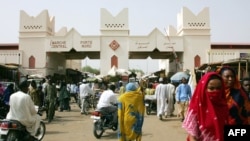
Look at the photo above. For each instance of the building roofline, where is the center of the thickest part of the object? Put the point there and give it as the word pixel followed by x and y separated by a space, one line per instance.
pixel 229 43
pixel 9 44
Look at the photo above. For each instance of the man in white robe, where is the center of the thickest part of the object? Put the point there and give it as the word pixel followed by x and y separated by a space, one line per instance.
pixel 23 109
pixel 161 97
pixel 169 111
pixel 85 91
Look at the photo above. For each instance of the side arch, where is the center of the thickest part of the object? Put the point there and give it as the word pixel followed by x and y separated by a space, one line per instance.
pixel 114 61
pixel 32 62
pixel 197 61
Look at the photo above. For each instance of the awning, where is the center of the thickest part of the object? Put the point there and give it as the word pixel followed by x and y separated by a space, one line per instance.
pixel 205 65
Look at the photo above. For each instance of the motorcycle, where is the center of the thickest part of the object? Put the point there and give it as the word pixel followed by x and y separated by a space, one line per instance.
pixel 13 130
pixel 150 106
pixel 96 98
pixel 89 102
pixel 102 121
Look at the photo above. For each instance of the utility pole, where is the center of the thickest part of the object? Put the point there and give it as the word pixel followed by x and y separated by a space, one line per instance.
pixel 177 62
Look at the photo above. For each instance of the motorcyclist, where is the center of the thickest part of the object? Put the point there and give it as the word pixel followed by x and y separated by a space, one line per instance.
pixel 107 102
pixel 85 91
pixel 23 109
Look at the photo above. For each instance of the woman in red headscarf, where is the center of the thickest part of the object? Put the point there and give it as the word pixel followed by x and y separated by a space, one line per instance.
pixel 208 110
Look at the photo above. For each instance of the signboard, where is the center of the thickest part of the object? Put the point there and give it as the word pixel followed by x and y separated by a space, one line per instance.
pixel 244 55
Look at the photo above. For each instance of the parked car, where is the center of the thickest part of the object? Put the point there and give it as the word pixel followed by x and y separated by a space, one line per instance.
pixel 6 84
pixel 38 79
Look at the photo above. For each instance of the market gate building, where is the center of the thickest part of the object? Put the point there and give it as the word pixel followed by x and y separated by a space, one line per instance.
pixel 45 51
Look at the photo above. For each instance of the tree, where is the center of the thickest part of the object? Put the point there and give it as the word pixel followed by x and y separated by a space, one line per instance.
pixel 91 70
pixel 137 71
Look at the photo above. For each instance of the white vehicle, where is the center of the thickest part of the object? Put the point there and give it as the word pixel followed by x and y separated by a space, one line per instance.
pixel 37 78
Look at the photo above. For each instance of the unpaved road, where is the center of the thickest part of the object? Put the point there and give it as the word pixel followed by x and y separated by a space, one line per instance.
pixel 72 126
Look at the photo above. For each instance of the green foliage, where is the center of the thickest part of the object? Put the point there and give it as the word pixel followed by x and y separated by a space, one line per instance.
pixel 114 78
pixel 91 70
pixel 136 71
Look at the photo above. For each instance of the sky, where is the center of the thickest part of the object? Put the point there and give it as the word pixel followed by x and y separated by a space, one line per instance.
pixel 229 19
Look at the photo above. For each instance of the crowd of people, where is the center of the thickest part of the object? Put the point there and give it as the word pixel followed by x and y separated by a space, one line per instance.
pixel 43 95
pixel 218 99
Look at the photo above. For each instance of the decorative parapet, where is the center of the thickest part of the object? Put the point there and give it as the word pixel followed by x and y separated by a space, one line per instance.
pixel 119 22
pixel 40 23
pixel 188 20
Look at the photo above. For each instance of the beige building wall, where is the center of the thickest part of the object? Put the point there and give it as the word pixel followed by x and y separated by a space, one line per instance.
pixel 221 55
pixel 11 56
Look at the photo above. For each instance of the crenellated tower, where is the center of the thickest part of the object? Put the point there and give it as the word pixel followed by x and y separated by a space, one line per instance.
pixel 195 30
pixel 33 32
pixel 39 26
pixel 114 39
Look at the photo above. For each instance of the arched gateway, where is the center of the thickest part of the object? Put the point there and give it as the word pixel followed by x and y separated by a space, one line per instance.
pixel 46 51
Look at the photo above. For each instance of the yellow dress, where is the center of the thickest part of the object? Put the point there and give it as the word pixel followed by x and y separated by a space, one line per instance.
pixel 122 90
pixel 130 116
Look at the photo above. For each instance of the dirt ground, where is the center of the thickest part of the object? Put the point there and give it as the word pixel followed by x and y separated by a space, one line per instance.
pixel 73 126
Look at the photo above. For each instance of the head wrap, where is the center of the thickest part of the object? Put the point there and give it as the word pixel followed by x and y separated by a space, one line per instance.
pixel 160 79
pixel 206 111
pixel 130 87
pixel 224 68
